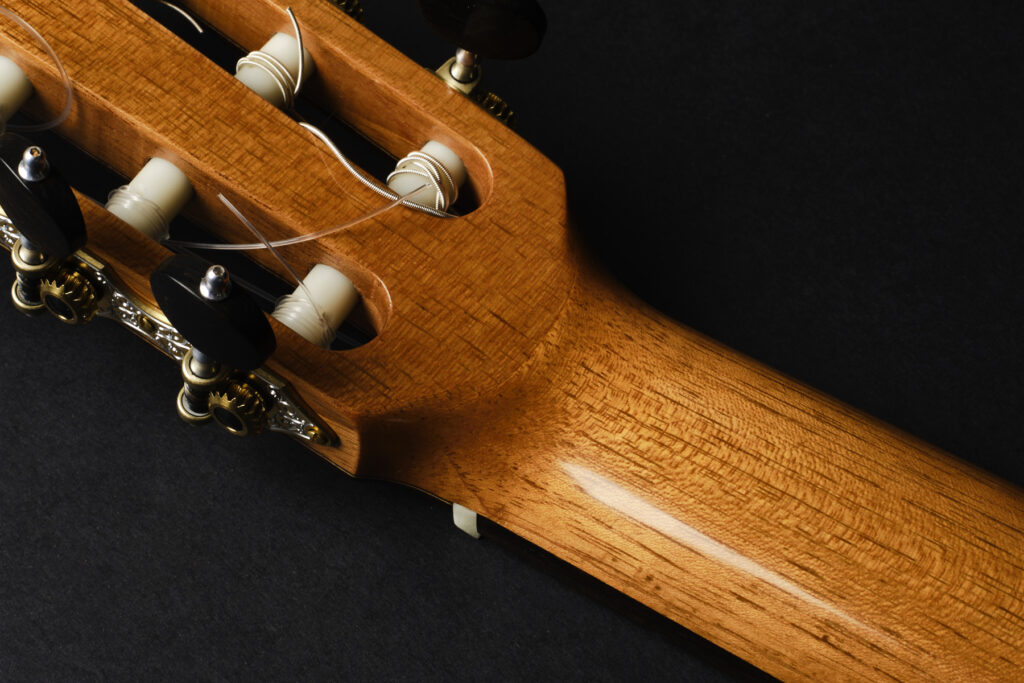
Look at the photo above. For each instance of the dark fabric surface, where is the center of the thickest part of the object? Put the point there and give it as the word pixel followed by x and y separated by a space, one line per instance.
pixel 832 188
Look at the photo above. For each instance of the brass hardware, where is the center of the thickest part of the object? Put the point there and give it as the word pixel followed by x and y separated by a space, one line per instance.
pixel 187 415
pixel 29 261
pixel 444 72
pixel 29 265
pixel 353 8
pixel 238 408
pixel 199 380
pixel 22 305
pixel 70 296
pixel 495 106
pixel 488 101
pixel 316 435
pixel 285 411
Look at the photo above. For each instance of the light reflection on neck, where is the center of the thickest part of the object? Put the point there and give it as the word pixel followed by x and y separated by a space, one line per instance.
pixel 619 499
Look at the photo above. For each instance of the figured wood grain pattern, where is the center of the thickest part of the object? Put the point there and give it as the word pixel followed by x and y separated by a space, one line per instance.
pixel 511 377
pixel 810 539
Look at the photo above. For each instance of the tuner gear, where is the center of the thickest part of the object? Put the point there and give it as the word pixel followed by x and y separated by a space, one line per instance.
pixel 70 297
pixel 238 408
pixel 496 107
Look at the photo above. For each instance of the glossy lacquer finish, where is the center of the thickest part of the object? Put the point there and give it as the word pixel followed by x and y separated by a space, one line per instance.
pixel 510 376
pixel 802 535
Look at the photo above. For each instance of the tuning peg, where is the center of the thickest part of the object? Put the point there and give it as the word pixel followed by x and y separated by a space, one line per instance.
pixel 220 320
pixel 496 29
pixel 41 205
pixel 499 29
pixel 227 330
pixel 38 200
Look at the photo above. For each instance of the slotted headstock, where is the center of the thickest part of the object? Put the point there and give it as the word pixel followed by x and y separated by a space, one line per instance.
pixel 507 375
pixel 457 304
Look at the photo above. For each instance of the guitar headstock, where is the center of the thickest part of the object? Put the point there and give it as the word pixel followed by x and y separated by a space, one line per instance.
pixel 454 305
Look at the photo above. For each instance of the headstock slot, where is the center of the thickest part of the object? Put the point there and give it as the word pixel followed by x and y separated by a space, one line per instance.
pixel 367 155
pixel 358 79
pixel 93 181
pixel 459 304
pixel 124 138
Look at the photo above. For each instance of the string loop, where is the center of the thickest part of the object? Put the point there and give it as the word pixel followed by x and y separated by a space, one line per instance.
pixel 280 74
pixel 277 71
pixel 434 174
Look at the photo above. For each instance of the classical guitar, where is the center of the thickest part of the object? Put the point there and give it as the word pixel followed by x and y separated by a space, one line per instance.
pixel 494 365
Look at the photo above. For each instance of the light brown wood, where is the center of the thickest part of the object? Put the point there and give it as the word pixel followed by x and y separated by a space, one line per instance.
pixel 510 376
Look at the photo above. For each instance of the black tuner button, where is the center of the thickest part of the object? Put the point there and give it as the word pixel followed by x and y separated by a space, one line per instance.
pixel 496 29
pixel 38 201
pixel 218 319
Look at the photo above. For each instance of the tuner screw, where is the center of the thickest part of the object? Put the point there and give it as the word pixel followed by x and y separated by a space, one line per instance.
pixel 238 408
pixel 70 297
pixel 33 166
pixel 216 284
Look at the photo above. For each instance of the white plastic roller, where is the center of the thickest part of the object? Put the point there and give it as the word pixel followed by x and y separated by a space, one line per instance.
pixel 153 198
pixel 272 72
pixel 416 172
pixel 15 89
pixel 325 292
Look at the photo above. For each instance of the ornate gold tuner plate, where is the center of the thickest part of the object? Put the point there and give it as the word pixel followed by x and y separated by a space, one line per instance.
pixel 285 411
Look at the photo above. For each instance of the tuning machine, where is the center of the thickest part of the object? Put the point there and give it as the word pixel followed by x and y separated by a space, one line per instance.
pixel 493 29
pixel 50 230
pixel 230 337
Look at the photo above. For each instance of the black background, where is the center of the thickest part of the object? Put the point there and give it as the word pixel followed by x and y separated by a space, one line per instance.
pixel 832 188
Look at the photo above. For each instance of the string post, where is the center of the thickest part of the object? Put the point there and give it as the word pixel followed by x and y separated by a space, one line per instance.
pixel 318 305
pixel 436 170
pixel 152 199
pixel 274 72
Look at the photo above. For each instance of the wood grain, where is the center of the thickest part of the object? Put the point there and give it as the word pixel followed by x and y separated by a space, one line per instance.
pixel 512 377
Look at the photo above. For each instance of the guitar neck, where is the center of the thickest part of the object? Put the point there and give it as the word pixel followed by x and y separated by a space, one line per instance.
pixel 510 376
pixel 789 528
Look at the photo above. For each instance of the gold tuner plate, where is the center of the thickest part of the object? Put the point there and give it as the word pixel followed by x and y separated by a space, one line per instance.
pixel 444 72
pixel 87 287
